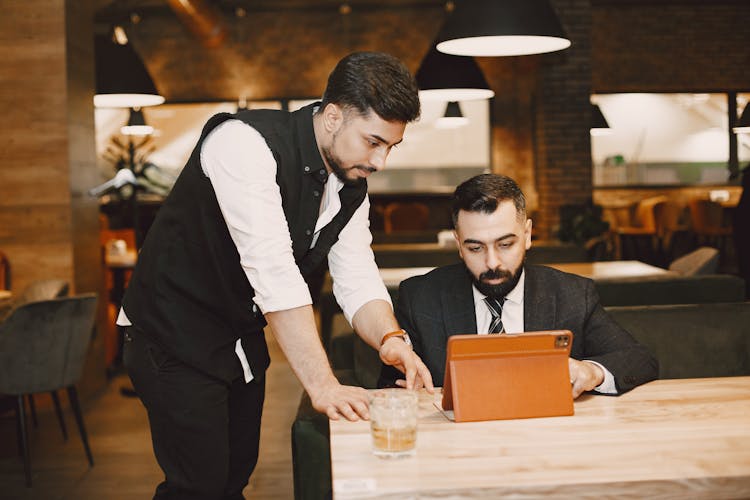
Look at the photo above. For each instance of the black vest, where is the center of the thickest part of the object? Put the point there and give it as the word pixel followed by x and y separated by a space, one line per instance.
pixel 189 292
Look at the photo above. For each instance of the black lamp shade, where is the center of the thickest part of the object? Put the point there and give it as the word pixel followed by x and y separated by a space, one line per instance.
pixel 453 110
pixel 452 118
pixel 743 125
pixel 502 28
pixel 597 117
pixel 136 124
pixel 122 80
pixel 448 78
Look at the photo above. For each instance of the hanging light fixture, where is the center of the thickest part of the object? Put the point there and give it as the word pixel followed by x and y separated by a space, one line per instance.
pixel 502 28
pixel 599 125
pixel 445 77
pixel 136 124
pixel 743 125
pixel 122 80
pixel 452 118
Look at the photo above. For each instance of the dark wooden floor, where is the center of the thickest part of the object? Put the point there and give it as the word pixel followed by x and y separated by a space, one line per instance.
pixel 125 467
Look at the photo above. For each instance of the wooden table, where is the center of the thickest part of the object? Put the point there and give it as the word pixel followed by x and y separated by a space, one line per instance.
pixel 597 271
pixel 668 438
pixel 616 269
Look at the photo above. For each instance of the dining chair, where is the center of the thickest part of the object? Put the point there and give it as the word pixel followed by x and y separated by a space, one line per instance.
pixel 639 240
pixel 707 219
pixel 43 347
pixel 672 230
pixel 34 292
pixel 42 290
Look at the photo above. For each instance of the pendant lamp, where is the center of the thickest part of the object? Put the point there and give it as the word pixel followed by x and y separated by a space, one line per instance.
pixel 452 118
pixel 122 80
pixel 599 125
pixel 136 124
pixel 502 28
pixel 445 77
pixel 743 125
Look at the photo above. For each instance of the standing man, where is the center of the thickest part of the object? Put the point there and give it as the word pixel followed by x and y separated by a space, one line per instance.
pixel 493 291
pixel 265 198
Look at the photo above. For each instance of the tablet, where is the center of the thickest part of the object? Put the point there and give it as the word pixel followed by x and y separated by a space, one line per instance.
pixel 505 376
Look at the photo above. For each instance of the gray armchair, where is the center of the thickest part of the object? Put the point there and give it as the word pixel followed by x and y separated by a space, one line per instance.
pixel 34 292
pixel 42 290
pixel 704 260
pixel 42 349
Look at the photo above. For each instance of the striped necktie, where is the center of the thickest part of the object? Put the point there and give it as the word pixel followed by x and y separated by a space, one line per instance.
pixel 496 309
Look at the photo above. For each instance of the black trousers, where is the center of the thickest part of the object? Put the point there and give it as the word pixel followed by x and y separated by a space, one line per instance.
pixel 205 432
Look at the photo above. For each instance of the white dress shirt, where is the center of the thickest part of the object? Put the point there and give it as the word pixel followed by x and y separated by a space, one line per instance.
pixel 513 323
pixel 242 170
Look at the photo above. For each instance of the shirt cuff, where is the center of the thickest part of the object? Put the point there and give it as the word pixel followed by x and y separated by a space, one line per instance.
pixel 290 298
pixel 608 385
pixel 354 301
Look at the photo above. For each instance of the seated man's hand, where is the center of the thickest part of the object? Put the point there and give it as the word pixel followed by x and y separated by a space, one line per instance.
pixel 336 400
pixel 399 354
pixel 584 376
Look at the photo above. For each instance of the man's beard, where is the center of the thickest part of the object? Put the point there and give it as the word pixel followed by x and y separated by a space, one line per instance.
pixel 340 171
pixel 500 290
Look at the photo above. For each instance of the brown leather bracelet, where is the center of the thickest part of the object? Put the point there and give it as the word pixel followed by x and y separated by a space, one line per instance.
pixel 398 333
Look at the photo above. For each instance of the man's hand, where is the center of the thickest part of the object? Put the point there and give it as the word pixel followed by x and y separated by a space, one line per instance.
pixel 584 376
pixel 336 400
pixel 396 352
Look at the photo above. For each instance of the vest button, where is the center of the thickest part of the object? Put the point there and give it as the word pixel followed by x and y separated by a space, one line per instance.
pixel 308 232
pixel 316 193
pixel 322 171
pixel 307 169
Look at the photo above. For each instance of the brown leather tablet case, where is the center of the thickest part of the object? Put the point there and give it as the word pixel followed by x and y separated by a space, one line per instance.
pixel 498 377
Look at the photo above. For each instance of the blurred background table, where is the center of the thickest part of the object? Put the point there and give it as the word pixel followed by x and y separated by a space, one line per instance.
pixel 616 269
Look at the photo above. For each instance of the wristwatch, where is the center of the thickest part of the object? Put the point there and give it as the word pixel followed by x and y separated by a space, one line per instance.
pixel 398 333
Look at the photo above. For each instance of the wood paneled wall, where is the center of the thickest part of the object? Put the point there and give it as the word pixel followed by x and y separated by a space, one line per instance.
pixel 48 224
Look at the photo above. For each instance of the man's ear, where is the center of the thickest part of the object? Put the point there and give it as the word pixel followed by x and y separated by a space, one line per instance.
pixel 333 117
pixel 527 233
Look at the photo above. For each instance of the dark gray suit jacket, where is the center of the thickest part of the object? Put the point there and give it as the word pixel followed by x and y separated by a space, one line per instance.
pixel 439 304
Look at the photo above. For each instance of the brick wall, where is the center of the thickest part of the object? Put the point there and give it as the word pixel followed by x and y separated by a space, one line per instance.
pixel 286 53
pixel 667 46
pixel 563 144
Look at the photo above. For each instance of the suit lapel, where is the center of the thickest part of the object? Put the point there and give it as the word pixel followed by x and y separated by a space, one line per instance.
pixel 539 306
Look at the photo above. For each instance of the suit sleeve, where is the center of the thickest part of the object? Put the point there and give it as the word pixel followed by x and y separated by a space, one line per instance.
pixel 403 311
pixel 608 343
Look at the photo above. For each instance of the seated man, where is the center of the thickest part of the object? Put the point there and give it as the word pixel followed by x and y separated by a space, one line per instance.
pixel 494 291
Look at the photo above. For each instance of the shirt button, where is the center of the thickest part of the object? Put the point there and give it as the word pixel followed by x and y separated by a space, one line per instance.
pixel 308 232
pixel 307 169
pixel 316 193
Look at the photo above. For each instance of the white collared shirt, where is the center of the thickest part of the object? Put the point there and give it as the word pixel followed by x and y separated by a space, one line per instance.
pixel 512 318
pixel 242 170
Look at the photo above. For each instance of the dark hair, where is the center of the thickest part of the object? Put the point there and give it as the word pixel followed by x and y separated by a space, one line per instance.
pixel 483 193
pixel 375 81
